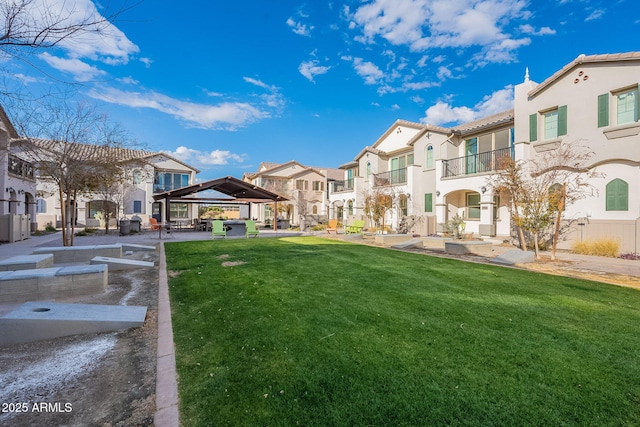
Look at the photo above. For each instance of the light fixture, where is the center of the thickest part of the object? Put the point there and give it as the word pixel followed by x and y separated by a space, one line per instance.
pixel 483 189
pixel 10 190
pixel 20 191
pixel 438 193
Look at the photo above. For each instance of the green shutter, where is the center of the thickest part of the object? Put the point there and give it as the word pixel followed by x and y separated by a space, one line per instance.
pixel 562 120
pixel 638 104
pixel 428 202
pixel 617 195
pixel 603 110
pixel 533 127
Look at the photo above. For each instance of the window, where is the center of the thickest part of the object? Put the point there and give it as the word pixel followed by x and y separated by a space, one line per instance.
pixel 368 169
pixel 137 176
pixel 137 206
pixel 428 202
pixel 318 186
pixel 627 106
pixel 473 205
pixel 299 184
pixel 617 195
pixel 167 181
pixel 429 157
pixel 178 210
pixel 41 206
pixel 350 207
pixel 404 203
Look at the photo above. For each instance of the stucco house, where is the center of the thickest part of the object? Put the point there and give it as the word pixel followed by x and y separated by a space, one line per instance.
pixel 304 186
pixel 147 173
pixel 437 173
pixel 17 185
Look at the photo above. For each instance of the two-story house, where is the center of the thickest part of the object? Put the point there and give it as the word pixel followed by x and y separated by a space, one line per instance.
pixel 438 173
pixel 305 188
pixel 145 174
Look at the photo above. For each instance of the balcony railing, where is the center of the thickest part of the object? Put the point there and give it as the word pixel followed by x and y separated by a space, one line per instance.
pixel 476 163
pixel 20 167
pixel 340 186
pixel 394 177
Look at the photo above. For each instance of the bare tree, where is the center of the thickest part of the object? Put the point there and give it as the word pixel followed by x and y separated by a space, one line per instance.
pixel 540 189
pixel 377 202
pixel 74 147
pixel 27 25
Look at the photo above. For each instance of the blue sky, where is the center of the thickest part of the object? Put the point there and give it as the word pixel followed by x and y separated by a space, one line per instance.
pixel 225 85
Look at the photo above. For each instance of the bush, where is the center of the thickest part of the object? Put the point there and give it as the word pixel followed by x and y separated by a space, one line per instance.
pixel 601 247
pixel 50 228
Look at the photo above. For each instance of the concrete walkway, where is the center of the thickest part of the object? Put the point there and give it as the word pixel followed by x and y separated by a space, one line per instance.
pixel 166 383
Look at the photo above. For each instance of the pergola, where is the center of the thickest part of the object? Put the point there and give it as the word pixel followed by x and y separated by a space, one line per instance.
pixel 238 190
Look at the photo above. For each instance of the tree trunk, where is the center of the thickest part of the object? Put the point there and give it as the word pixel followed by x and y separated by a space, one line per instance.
pixel 535 244
pixel 63 216
pixel 556 233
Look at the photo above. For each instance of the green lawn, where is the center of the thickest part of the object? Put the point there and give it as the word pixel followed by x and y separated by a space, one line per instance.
pixel 318 332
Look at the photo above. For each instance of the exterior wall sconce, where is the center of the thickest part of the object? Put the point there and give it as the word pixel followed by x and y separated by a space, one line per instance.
pixel 483 189
pixel 10 190
pixel 20 191
pixel 437 193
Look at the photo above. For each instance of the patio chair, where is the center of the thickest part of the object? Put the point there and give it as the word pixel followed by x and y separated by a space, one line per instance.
pixel 333 226
pixel 218 229
pixel 251 229
pixel 154 224
pixel 356 227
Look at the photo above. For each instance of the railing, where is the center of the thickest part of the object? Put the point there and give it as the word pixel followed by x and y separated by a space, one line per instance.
pixel 340 186
pixel 394 177
pixel 20 167
pixel 476 163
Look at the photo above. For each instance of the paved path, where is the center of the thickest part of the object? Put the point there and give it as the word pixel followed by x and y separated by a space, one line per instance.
pixel 166 383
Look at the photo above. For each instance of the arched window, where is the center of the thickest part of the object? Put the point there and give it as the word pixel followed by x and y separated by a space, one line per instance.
pixel 429 157
pixel 368 169
pixel 315 209
pixel 617 195
pixel 350 206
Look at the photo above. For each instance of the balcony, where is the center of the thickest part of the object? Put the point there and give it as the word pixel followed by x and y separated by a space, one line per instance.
pixel 476 163
pixel 341 186
pixel 20 167
pixel 394 177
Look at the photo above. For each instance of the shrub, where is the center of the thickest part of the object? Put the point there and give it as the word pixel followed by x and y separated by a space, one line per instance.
pixel 50 228
pixel 600 247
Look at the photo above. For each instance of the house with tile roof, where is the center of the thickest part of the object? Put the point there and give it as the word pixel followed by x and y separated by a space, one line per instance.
pixel 437 173
pixel 305 187
pixel 147 173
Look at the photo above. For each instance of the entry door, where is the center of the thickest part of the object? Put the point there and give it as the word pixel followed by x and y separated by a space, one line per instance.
pixel 471 153
pixel 156 211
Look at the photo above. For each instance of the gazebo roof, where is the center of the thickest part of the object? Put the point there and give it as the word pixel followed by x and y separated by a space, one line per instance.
pixel 237 189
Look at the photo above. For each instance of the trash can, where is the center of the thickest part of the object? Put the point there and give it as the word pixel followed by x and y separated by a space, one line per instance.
pixel 125 227
pixel 136 223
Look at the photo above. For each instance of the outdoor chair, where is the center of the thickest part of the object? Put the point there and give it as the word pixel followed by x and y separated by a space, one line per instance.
pixel 333 226
pixel 154 224
pixel 355 228
pixel 251 229
pixel 199 225
pixel 218 229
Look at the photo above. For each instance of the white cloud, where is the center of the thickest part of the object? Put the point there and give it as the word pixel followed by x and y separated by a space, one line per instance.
pixel 81 71
pixel 272 99
pixel 102 42
pixel 529 29
pixel 367 70
pixel 426 24
pixel 205 158
pixel 128 81
pixel 299 28
pixel 311 68
pixel 443 113
pixel 596 14
pixel 225 115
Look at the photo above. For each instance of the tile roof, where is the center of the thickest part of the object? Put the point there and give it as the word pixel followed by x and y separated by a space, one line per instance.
pixel 485 122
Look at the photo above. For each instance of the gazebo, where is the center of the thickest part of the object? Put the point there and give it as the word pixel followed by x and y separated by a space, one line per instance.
pixel 238 190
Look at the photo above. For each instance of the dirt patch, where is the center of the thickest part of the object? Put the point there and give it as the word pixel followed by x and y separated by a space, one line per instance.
pixel 105 379
pixel 232 263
